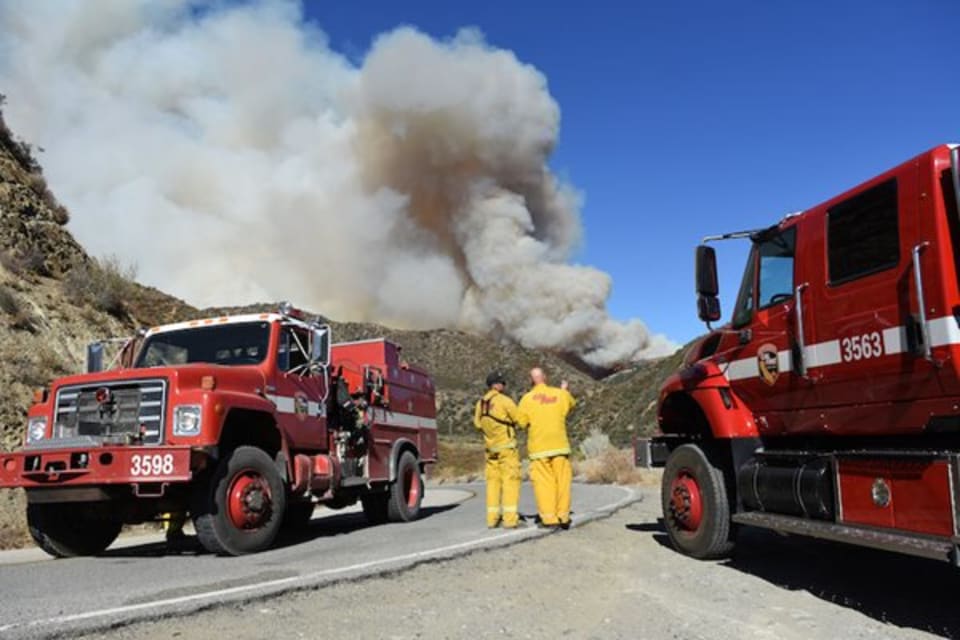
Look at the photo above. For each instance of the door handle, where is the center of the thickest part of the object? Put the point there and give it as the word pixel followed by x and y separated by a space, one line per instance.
pixel 921 302
pixel 801 364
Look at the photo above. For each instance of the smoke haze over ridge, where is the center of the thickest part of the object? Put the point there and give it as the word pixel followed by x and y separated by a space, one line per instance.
pixel 234 157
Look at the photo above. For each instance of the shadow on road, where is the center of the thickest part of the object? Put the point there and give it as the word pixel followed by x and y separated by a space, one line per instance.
pixel 324 527
pixel 889 587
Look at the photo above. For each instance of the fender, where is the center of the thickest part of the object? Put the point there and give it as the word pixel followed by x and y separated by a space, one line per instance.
pixel 398 446
pixel 703 389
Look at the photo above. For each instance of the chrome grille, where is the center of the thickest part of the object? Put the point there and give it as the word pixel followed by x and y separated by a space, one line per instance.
pixel 134 407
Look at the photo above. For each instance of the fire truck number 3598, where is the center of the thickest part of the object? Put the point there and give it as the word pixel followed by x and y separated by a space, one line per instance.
pixel 869 345
pixel 155 465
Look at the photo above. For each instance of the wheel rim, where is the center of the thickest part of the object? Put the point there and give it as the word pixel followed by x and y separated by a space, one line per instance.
pixel 249 502
pixel 411 485
pixel 686 503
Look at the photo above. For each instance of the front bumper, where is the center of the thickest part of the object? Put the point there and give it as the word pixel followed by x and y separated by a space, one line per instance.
pixel 650 452
pixel 89 466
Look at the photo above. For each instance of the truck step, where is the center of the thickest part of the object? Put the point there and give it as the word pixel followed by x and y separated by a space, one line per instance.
pixel 909 543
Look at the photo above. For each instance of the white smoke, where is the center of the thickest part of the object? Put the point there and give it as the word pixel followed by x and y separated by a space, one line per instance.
pixel 234 157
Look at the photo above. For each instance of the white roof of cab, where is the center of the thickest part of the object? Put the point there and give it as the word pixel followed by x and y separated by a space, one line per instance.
pixel 206 322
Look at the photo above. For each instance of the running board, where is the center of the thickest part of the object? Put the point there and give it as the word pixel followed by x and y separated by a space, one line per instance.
pixel 908 543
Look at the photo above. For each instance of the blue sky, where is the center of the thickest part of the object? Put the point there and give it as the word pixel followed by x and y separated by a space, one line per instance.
pixel 683 119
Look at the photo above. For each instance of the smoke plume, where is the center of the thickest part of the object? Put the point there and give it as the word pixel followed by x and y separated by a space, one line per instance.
pixel 231 155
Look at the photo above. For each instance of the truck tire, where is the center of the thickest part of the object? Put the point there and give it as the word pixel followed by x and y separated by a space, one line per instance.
pixel 240 507
pixel 375 507
pixel 696 511
pixel 73 529
pixel 406 491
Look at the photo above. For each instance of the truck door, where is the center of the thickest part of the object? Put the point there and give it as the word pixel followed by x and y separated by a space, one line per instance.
pixel 864 311
pixel 300 393
pixel 764 333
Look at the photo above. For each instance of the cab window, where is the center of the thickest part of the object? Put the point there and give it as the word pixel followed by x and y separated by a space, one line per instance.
pixel 776 268
pixel 293 354
pixel 743 311
pixel 863 235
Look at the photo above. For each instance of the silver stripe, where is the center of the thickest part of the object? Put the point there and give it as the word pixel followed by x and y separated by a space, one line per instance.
pixel 287 404
pixel 403 420
pixel 943 331
pixel 823 354
pixel 894 340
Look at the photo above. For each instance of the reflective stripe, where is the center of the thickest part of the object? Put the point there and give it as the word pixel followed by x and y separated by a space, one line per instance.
pixel 493 509
pixel 549 454
pixel 943 331
pixel 288 404
pixel 509 509
pixel 502 447
pixel 403 420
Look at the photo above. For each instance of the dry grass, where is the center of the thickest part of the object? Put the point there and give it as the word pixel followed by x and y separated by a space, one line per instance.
pixel 13 521
pixel 105 284
pixel 614 466
pixel 20 315
pixel 460 459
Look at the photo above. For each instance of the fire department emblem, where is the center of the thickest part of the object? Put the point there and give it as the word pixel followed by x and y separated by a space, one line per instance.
pixel 301 406
pixel 768 363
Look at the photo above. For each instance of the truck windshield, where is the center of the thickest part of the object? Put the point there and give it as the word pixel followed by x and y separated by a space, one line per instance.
pixel 226 344
pixel 774 257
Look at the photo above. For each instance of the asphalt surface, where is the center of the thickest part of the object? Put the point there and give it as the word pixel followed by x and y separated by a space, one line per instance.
pixel 141 579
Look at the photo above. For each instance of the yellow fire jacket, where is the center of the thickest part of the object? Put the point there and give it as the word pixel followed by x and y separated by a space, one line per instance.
pixel 495 415
pixel 544 411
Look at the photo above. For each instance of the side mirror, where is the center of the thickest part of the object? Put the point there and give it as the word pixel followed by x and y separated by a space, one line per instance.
pixel 94 357
pixel 706 267
pixel 708 308
pixel 320 349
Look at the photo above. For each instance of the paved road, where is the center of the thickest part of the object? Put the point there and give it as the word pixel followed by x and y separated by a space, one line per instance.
pixel 139 579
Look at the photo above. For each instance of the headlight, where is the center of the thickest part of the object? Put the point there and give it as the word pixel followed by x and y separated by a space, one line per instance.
pixel 36 429
pixel 186 420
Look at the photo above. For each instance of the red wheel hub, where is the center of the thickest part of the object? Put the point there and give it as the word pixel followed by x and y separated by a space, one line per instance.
pixel 411 485
pixel 686 503
pixel 249 503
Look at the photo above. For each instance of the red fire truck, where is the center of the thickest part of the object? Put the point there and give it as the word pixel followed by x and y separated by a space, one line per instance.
pixel 829 405
pixel 246 422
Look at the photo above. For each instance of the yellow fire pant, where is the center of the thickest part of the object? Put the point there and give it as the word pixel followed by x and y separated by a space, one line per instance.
pixel 503 487
pixel 551 479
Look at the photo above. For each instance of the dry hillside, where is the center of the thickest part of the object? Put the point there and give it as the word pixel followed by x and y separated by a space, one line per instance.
pixel 54 299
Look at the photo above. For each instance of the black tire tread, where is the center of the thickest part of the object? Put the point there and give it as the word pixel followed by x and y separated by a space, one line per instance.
pixel 67 530
pixel 375 507
pixel 397 508
pixel 716 538
pixel 207 513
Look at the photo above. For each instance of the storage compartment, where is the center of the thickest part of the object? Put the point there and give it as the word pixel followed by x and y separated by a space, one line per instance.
pixel 906 494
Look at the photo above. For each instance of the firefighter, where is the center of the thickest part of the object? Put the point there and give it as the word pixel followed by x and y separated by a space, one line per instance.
pixel 543 411
pixel 495 416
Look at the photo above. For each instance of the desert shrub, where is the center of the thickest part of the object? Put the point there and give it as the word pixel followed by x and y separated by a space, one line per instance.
pixel 18 310
pixel 20 150
pixel 38 184
pixel 612 466
pixel 595 444
pixel 105 284
pixel 25 261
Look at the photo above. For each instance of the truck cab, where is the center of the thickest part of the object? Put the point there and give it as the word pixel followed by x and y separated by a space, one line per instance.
pixel 244 421
pixel 829 404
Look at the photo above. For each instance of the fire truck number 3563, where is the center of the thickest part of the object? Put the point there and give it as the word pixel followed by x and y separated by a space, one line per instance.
pixel 155 465
pixel 869 345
